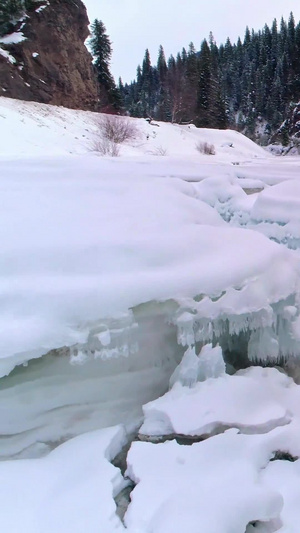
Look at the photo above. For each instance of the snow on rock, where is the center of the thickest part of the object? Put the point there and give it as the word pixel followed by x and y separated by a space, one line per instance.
pixel 276 213
pixel 7 56
pixel 225 194
pixel 13 38
pixel 212 486
pixel 284 476
pixel 254 400
pixel 72 489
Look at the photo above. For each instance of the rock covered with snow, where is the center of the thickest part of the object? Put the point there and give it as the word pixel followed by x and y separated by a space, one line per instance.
pixel 212 486
pixel 253 400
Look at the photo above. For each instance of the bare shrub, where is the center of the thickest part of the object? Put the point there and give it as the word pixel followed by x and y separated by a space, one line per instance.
pixel 117 129
pixel 205 148
pixel 159 150
pixel 106 147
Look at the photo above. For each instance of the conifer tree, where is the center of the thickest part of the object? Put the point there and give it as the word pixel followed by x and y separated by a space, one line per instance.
pixel 10 11
pixel 101 50
pixel 245 83
pixel 204 86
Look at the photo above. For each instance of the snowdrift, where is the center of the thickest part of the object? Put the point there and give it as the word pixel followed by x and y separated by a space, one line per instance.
pixel 81 244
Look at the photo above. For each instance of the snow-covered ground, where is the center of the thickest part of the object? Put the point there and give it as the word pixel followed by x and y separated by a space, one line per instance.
pixel 113 272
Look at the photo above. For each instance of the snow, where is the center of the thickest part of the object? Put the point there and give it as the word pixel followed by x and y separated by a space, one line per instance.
pixel 35 127
pixel 212 486
pixel 13 38
pixel 121 277
pixel 279 203
pixel 262 407
pixel 215 404
pixel 84 249
pixel 276 213
pixel 7 56
pixel 130 232
pixel 71 489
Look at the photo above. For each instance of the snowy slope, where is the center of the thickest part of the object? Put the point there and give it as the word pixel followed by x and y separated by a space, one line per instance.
pixel 39 129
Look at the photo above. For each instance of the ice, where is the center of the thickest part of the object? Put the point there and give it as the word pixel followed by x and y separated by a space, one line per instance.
pixel 71 489
pixel 193 368
pixel 211 363
pixel 72 391
pixel 187 371
pixel 263 344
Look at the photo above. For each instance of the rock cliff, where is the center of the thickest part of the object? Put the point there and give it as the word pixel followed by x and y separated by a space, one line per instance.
pixel 51 64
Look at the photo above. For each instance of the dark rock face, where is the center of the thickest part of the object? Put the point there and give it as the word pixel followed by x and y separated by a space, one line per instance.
pixel 52 65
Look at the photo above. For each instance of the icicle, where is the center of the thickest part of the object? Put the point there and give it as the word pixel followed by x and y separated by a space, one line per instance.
pixel 186 372
pixel 211 363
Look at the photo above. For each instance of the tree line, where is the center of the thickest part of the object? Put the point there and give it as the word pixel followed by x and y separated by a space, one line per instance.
pixel 241 85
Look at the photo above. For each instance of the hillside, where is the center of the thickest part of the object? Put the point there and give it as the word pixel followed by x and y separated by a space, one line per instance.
pixel 34 129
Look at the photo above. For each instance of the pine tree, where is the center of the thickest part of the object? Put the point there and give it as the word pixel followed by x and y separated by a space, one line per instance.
pixel 101 50
pixel 204 86
pixel 147 86
pixel 10 12
pixel 162 112
pixel 248 82
pixel 162 65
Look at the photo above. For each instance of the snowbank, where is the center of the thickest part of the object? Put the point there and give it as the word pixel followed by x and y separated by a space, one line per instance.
pixel 276 213
pixel 216 404
pixel 80 243
pixel 212 486
pixel 41 129
pixel 71 489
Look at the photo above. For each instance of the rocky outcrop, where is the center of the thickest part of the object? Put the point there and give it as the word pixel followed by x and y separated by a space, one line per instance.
pixel 52 64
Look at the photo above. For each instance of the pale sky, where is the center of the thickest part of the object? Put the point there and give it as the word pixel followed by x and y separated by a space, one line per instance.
pixel 134 25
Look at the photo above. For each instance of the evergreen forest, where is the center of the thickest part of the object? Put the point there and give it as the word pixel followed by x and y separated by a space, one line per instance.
pixel 248 85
